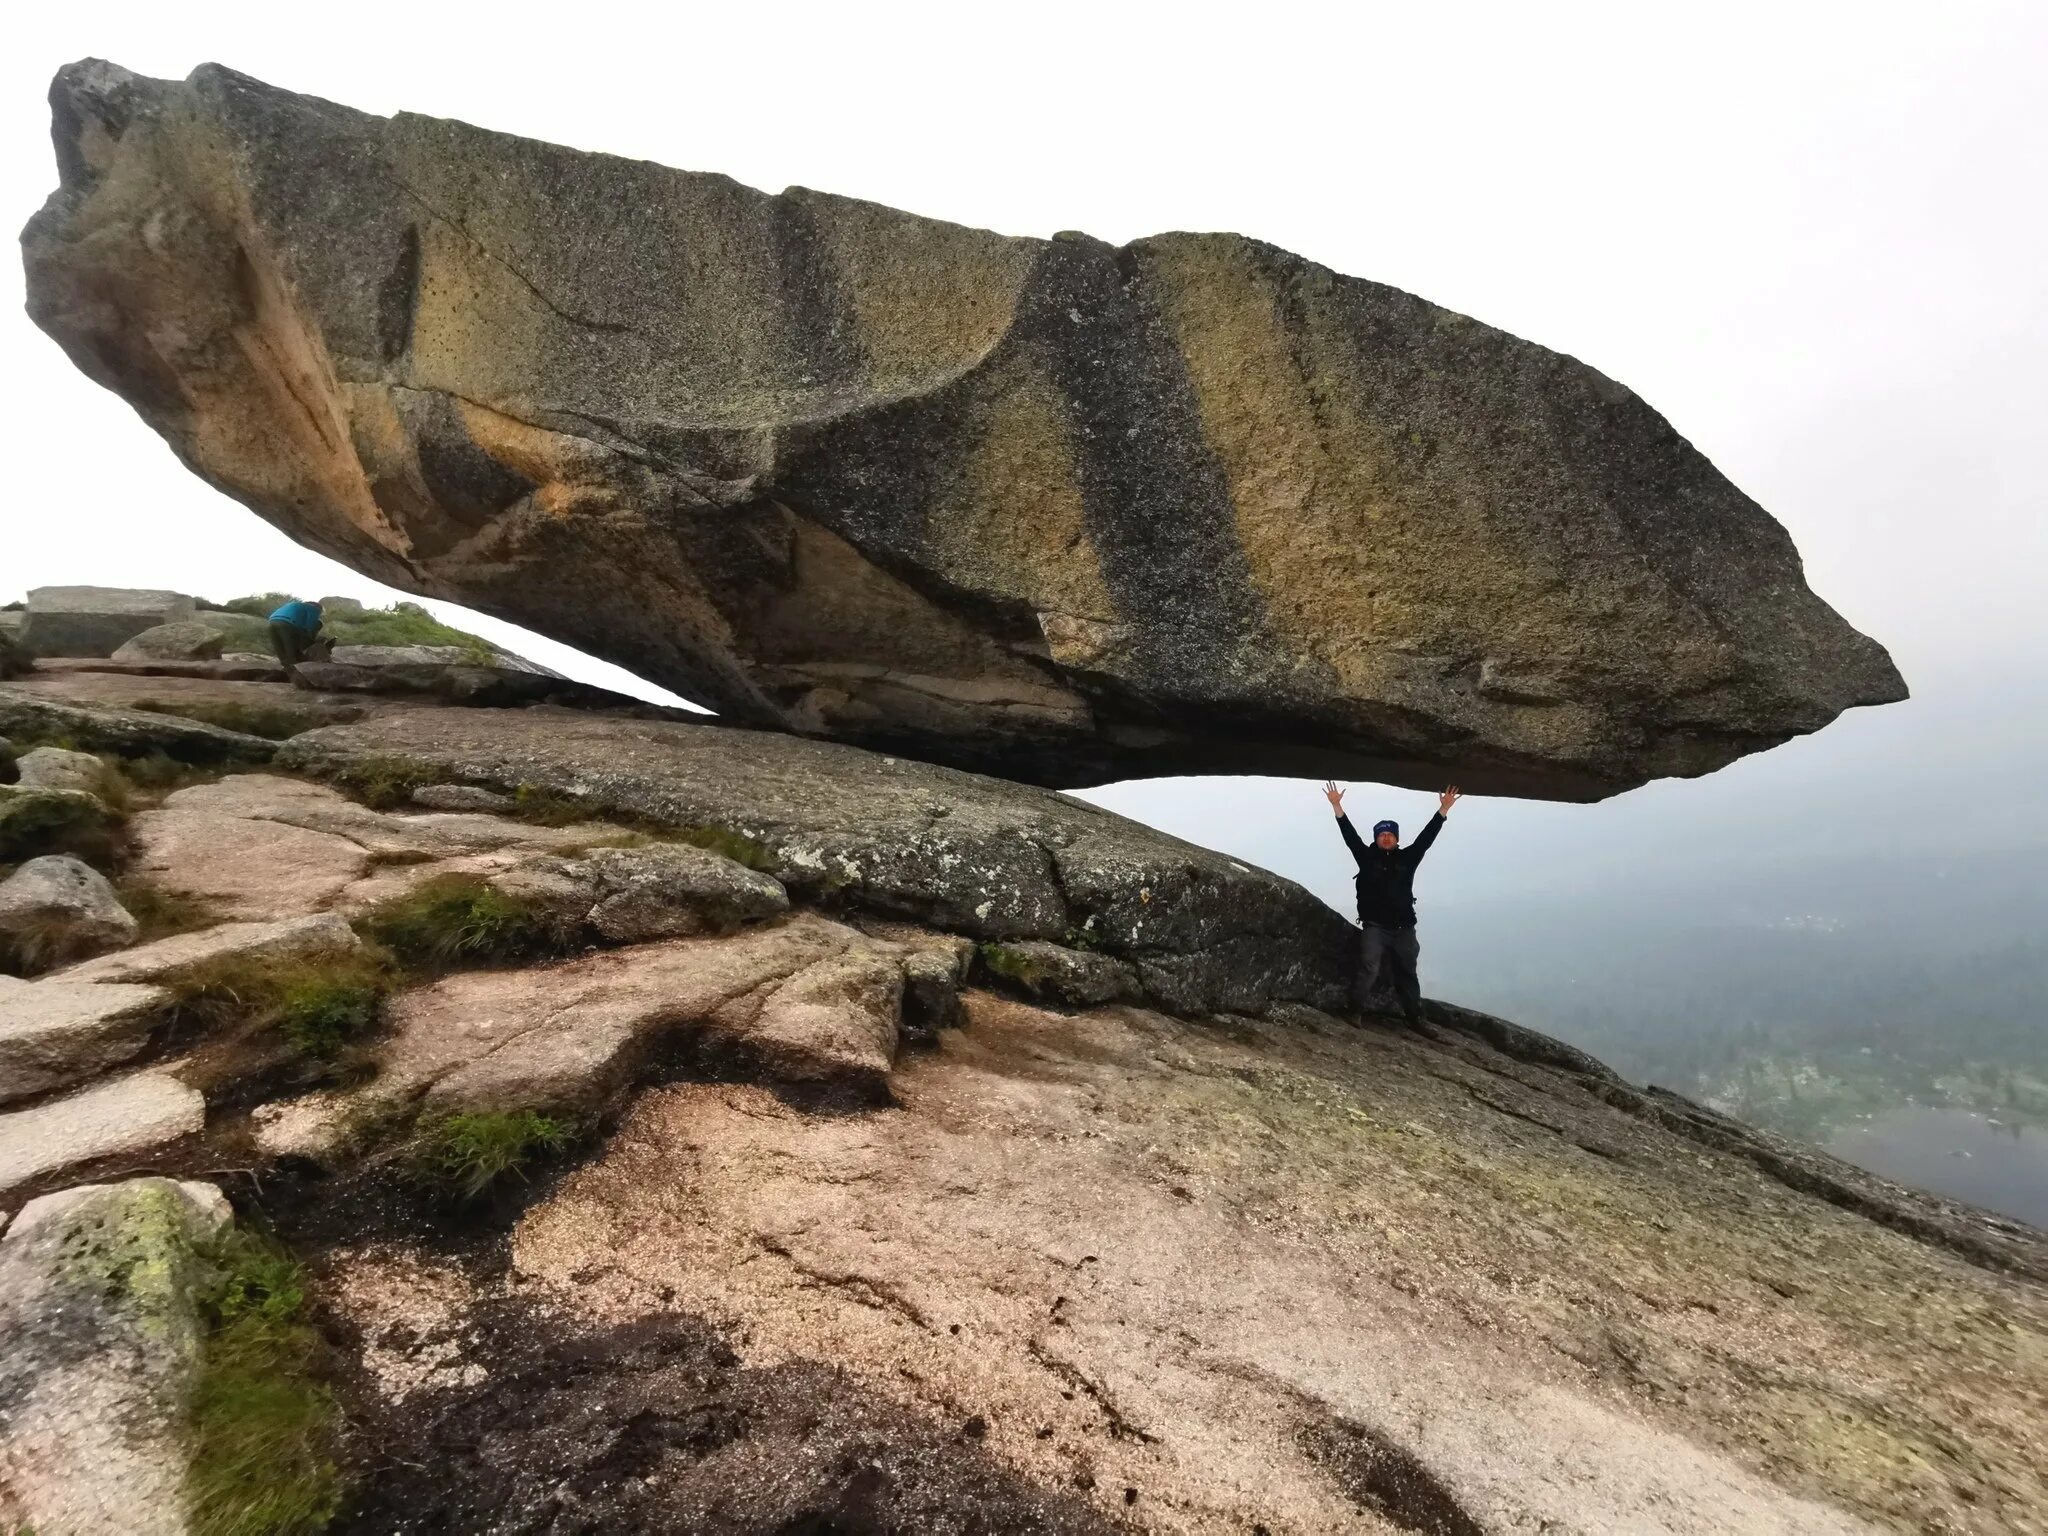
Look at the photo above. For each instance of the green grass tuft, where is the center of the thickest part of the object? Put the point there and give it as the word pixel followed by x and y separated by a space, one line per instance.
pixel 455 920
pixel 161 913
pixel 545 808
pixel 387 783
pixel 465 1156
pixel 262 1424
pixel 322 1014
pixel 319 1004
pixel 736 846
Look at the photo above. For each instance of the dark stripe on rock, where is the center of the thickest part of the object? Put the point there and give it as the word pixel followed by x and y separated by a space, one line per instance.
pixel 1155 501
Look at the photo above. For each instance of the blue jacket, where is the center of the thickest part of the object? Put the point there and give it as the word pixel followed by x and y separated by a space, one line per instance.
pixel 299 615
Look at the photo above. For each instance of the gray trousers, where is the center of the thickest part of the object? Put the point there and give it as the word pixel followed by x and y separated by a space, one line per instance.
pixel 1388 956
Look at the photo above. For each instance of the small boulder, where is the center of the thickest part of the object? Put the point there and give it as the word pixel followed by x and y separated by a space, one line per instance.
pixel 184 641
pixel 931 989
pixel 673 890
pixel 1053 973
pixel 124 1118
pixel 60 769
pixel 57 1033
pixel 58 908
pixel 100 1292
pixel 341 608
pixel 14 657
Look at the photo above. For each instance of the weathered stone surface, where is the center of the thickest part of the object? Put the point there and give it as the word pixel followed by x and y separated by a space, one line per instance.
pixel 127 1116
pixel 454 675
pixel 1050 508
pixel 60 770
pixel 29 714
pixel 57 908
pixel 461 797
pixel 173 642
pixel 100 1319
pixel 14 658
pixel 1241 1269
pixel 894 837
pixel 97 621
pixel 671 891
pixel 183 954
pixel 1073 978
pixel 260 847
pixel 803 1001
pixel 58 1032
pixel 236 667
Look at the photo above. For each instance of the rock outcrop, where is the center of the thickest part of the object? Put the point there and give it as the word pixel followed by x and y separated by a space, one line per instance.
pixel 956 851
pixel 1051 509
pixel 855 1236
pixel 97 621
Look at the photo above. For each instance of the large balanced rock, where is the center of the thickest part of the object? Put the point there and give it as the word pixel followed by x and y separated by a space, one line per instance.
pixel 1053 509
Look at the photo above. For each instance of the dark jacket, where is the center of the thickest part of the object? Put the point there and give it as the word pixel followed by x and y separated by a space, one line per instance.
pixel 1386 876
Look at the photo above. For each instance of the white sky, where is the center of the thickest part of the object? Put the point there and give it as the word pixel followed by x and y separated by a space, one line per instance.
pixel 1812 235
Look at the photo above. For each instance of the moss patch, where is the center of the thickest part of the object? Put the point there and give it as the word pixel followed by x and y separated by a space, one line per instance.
pixel 736 846
pixel 262 1423
pixel 1010 964
pixel 465 1156
pixel 456 920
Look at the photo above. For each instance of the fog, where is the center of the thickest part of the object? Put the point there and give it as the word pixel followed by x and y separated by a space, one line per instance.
pixel 1812 236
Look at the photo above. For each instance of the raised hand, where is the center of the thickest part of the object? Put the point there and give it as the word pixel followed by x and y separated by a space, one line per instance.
pixel 1446 800
pixel 1335 796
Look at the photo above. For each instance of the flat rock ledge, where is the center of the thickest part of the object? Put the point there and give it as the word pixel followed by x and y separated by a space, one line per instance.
pixel 894 837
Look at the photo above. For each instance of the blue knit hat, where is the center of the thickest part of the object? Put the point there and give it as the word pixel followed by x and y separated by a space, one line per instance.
pixel 1386 826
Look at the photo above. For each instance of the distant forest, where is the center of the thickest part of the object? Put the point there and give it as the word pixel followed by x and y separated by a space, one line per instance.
pixel 1799 1000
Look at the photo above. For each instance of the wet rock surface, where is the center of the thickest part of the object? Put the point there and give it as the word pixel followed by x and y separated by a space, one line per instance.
pixel 1054 509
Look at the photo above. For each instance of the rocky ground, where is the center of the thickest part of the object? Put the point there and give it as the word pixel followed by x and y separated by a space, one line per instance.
pixel 890 1149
